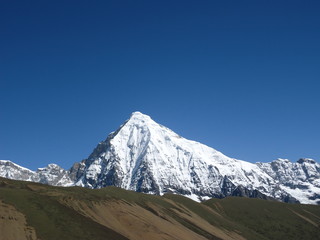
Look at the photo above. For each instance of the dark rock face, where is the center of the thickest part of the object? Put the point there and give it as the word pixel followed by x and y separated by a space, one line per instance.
pixel 289 199
pixel 227 187
pixel 241 191
pixel 77 170
pixel 306 160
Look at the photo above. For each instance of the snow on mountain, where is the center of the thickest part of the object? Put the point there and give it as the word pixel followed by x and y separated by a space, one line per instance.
pixel 301 179
pixel 145 156
pixel 52 174
pixel 11 170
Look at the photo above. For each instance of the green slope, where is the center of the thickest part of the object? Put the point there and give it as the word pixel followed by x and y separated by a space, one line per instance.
pixel 51 219
pixel 274 220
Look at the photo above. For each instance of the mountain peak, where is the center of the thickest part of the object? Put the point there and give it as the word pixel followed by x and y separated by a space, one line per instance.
pixel 137 113
pixel 139 120
pixel 139 116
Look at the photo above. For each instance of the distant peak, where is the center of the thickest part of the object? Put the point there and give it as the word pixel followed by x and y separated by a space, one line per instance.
pixel 8 163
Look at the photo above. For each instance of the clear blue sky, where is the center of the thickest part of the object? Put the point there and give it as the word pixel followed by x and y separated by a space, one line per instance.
pixel 240 76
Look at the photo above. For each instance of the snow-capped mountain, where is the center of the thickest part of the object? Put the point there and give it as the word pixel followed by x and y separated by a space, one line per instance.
pixel 11 170
pixel 52 174
pixel 145 156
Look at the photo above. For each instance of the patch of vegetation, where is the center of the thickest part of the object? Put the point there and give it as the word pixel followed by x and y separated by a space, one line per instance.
pixel 273 220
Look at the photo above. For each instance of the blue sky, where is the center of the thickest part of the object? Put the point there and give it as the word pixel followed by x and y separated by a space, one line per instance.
pixel 240 76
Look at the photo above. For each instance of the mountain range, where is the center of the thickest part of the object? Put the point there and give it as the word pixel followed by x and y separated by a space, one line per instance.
pixel 147 157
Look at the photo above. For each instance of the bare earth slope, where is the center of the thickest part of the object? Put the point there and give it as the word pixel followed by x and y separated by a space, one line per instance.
pixel 13 224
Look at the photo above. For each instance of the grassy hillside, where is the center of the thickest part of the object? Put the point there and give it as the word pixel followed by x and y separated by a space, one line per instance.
pixel 274 220
pixel 50 218
pixel 44 212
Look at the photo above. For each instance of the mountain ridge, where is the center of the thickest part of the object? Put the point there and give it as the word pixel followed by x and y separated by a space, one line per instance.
pixel 144 156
